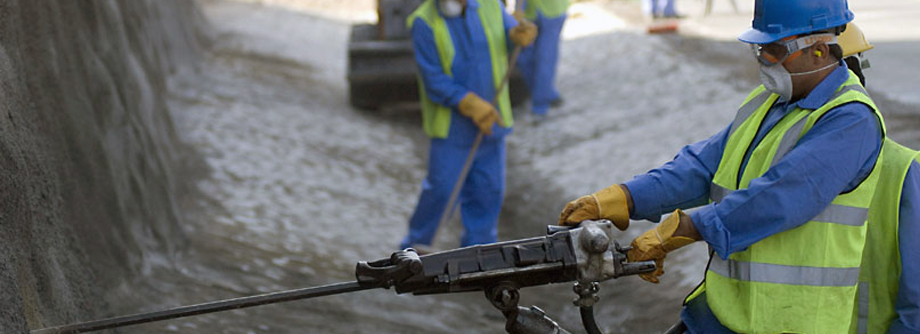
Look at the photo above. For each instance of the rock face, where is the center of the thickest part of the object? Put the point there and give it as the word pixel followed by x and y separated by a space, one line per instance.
pixel 88 152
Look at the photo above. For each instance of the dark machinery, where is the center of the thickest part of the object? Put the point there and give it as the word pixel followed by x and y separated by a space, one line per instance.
pixel 381 64
pixel 585 255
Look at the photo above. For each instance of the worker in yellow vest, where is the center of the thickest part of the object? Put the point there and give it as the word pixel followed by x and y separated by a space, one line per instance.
pixel 782 193
pixel 538 61
pixel 461 47
pixel 888 297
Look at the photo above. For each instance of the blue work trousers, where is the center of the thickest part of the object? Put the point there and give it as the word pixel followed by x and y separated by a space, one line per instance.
pixel 537 62
pixel 667 10
pixel 480 198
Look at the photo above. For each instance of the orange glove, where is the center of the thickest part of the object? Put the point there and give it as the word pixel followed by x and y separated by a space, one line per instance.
pixel 608 203
pixel 481 112
pixel 524 33
pixel 654 244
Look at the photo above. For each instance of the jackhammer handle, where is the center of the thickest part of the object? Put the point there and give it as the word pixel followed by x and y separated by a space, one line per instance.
pixel 635 268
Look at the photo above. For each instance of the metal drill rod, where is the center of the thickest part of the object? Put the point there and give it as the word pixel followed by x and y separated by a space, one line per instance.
pixel 216 306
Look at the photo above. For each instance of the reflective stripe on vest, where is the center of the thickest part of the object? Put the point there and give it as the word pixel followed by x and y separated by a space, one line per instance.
pixel 748 109
pixel 810 273
pixel 783 274
pixel 435 117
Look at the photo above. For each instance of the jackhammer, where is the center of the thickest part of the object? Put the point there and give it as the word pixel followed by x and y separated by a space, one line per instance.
pixel 586 255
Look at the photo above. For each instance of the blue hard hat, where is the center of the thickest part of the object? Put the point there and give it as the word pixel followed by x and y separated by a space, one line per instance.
pixel 778 19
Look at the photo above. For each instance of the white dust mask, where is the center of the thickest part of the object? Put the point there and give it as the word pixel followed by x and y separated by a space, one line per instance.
pixel 776 80
pixel 450 8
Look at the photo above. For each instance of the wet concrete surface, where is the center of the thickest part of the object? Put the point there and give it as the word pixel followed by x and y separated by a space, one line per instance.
pixel 297 186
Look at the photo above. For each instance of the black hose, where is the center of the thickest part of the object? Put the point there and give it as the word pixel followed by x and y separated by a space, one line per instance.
pixel 587 318
pixel 678 328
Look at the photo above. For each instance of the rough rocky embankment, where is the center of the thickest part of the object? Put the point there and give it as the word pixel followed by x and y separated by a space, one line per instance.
pixel 88 151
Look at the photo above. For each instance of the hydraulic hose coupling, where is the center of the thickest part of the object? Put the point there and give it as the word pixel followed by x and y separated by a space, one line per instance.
pixel 587 293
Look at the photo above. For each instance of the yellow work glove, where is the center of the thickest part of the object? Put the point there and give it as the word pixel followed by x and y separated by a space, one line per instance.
pixel 654 244
pixel 481 112
pixel 524 33
pixel 608 203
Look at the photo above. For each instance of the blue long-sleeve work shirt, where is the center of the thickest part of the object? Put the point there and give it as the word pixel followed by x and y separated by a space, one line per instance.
pixel 471 69
pixel 907 304
pixel 833 157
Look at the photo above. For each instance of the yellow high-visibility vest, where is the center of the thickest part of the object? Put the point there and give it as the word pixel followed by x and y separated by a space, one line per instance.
pixel 803 280
pixel 435 117
pixel 880 271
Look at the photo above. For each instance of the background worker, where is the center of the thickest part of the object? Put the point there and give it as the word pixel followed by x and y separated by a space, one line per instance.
pixel 783 192
pixel 538 61
pixel 889 292
pixel 663 9
pixel 890 298
pixel 461 49
pixel 854 43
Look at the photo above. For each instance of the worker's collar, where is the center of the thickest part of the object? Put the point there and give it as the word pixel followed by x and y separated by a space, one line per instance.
pixel 823 92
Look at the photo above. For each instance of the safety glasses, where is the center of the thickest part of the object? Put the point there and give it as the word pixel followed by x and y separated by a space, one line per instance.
pixel 788 48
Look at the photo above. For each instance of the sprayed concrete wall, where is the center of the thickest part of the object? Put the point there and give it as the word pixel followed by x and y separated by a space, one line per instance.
pixel 88 152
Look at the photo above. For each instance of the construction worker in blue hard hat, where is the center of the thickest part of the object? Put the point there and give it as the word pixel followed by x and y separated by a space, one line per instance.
pixel 889 291
pixel 461 47
pixel 782 192
pixel 538 61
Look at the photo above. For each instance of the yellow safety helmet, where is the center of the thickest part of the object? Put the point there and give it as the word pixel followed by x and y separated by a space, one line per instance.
pixel 852 41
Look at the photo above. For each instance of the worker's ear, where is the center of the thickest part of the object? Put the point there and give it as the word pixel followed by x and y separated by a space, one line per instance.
pixel 820 53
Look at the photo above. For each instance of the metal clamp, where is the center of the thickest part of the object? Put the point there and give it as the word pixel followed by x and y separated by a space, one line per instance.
pixel 385 273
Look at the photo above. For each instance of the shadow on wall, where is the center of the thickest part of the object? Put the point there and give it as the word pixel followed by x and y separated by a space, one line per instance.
pixel 88 152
